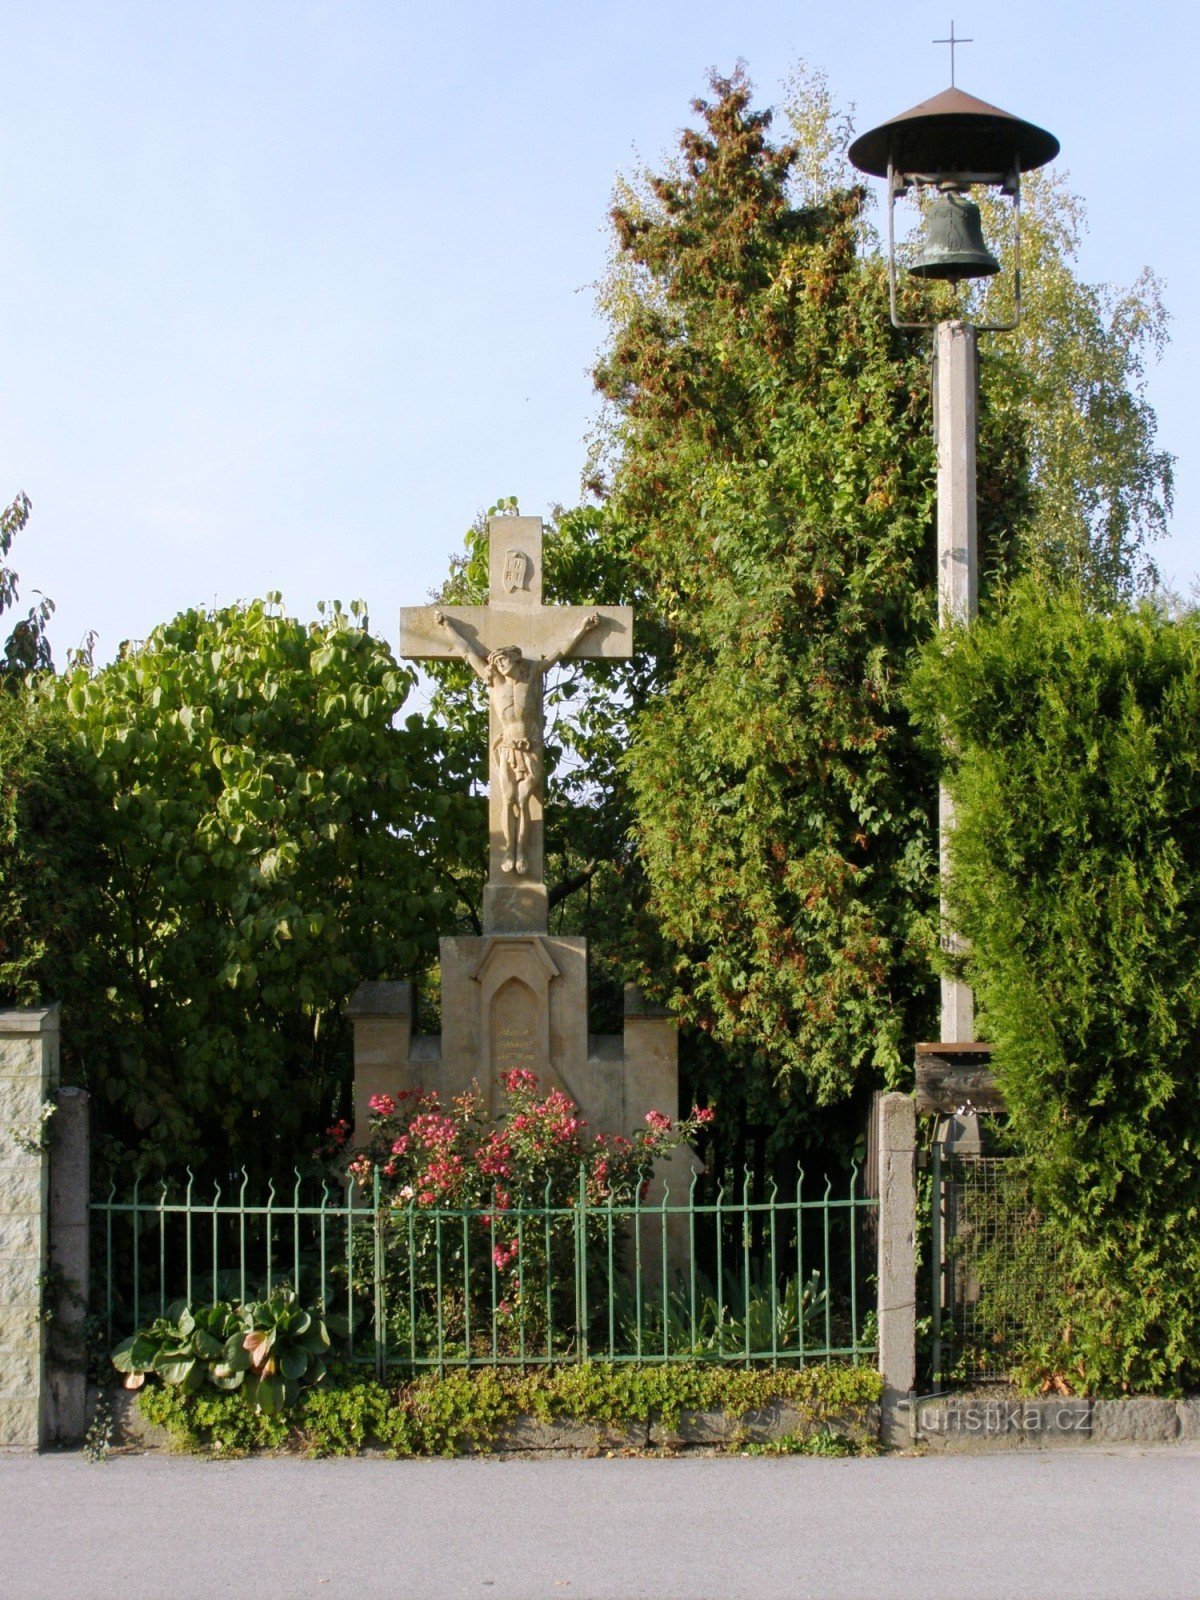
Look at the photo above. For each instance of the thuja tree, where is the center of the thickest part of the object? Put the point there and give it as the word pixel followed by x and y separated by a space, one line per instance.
pixel 271 834
pixel 773 476
pixel 1073 746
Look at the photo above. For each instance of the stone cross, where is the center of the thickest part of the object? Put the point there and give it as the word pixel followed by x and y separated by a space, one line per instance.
pixel 511 643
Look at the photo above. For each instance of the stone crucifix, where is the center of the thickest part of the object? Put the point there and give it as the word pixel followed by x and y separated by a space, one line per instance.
pixel 511 643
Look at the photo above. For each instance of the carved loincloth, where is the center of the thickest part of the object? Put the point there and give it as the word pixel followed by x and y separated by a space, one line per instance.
pixel 517 756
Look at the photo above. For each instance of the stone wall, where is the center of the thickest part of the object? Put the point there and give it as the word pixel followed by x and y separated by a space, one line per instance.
pixel 1001 1421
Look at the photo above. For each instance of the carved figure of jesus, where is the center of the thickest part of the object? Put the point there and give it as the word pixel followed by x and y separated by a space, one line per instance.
pixel 514 685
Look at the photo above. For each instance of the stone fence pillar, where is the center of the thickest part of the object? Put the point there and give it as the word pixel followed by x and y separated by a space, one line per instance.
pixel 28 1079
pixel 897 1261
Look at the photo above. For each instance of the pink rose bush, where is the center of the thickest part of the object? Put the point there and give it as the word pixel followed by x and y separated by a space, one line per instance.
pixel 487 1211
pixel 456 1156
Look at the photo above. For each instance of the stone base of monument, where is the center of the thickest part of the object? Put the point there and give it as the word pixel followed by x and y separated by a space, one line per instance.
pixel 517 1000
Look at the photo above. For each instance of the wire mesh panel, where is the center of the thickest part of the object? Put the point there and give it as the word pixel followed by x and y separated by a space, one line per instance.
pixel 993 1266
pixel 530 1280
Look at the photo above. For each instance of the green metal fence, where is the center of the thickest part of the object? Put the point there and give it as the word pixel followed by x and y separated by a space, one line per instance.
pixel 726 1278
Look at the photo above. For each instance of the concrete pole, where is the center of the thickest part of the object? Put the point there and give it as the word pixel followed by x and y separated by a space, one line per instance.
pixel 70 1182
pixel 897 1262
pixel 956 391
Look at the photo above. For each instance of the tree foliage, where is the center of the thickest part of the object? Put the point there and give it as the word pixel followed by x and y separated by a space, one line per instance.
pixel 1073 755
pixel 1074 373
pixel 271 838
pixel 767 472
pixel 51 866
pixel 27 649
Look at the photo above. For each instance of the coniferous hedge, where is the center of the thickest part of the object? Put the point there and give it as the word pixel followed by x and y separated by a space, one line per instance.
pixel 1073 750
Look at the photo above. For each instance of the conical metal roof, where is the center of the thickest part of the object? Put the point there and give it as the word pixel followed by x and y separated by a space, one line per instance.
pixel 953 132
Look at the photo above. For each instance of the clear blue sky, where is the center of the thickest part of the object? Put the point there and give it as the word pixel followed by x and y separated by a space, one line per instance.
pixel 291 290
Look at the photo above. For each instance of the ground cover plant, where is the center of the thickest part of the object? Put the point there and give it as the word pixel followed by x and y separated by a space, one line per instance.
pixel 465 1411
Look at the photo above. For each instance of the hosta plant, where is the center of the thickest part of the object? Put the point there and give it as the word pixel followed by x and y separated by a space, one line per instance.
pixel 269 1348
pixel 184 1347
pixel 284 1346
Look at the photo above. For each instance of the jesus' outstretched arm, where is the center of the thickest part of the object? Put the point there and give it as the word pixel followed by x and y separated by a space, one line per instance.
pixel 464 645
pixel 592 620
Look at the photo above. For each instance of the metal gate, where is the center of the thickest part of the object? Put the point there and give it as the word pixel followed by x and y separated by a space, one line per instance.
pixel 991 1261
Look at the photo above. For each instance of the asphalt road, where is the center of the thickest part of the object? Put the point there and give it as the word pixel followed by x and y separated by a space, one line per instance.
pixel 1071 1526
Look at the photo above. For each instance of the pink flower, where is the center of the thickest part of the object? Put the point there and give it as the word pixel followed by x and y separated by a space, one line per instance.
pixel 703 1114
pixel 492 1158
pixel 519 1078
pixel 432 1128
pixel 383 1105
pixel 658 1120
pixel 401 1145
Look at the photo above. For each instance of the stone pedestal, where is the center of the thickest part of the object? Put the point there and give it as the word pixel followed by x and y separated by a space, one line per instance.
pixel 517 1001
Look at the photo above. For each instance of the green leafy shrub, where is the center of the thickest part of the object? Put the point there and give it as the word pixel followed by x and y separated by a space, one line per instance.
pixel 1073 749
pixel 272 833
pixel 52 866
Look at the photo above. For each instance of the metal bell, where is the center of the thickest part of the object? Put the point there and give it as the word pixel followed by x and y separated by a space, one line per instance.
pixel 953 247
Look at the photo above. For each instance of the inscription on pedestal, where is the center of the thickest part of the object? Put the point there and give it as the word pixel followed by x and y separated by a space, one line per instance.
pixel 516 1030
